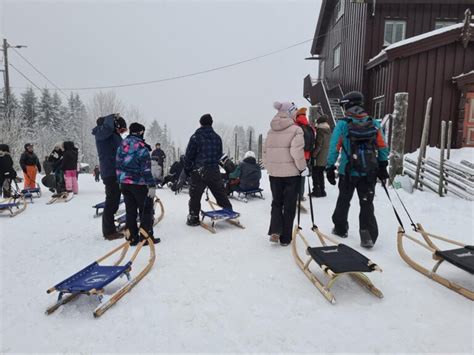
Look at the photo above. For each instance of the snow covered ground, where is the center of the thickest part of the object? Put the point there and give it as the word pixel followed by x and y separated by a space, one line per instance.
pixel 233 291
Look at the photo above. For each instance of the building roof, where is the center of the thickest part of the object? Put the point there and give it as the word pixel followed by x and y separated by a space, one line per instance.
pixel 420 43
pixel 324 20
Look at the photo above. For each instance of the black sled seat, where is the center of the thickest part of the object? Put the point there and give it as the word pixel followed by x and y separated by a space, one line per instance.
pixel 341 259
pixel 461 257
pixel 250 192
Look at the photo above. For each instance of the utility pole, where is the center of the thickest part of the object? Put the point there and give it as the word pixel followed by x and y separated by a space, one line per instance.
pixel 6 74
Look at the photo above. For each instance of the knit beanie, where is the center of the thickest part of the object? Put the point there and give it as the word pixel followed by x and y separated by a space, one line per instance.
pixel 286 107
pixel 206 120
pixel 249 154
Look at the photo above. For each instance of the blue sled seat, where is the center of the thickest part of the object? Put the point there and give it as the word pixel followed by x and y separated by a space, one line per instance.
pixel 30 191
pixel 221 214
pixel 4 206
pixel 92 277
pixel 249 191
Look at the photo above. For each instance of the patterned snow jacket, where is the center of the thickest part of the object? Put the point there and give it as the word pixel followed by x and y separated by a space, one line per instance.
pixel 204 150
pixel 133 162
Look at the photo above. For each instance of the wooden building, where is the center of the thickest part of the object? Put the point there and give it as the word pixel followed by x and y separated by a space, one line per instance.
pixel 386 46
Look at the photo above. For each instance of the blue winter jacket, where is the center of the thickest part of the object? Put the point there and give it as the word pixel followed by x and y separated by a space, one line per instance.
pixel 134 162
pixel 339 143
pixel 204 150
pixel 107 140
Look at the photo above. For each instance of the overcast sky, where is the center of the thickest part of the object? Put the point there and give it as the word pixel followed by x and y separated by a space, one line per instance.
pixel 100 43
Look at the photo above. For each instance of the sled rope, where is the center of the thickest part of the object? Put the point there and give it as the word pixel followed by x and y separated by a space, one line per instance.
pixel 415 228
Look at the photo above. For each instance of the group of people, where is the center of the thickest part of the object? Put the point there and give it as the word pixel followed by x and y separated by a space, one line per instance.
pixel 62 162
pixel 293 150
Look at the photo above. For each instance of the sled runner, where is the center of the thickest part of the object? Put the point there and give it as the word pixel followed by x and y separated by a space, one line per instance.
pixel 243 195
pixel 217 215
pixel 334 260
pixel 16 203
pixel 61 197
pixel 120 219
pixel 100 207
pixel 461 257
pixel 32 192
pixel 94 278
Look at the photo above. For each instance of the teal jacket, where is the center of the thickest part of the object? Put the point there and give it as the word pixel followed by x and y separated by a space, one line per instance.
pixel 339 143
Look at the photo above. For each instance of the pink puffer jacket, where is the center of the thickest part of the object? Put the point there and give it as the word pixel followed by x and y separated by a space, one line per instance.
pixel 283 150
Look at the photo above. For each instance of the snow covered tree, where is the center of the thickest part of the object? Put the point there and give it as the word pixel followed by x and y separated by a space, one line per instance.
pixel 29 108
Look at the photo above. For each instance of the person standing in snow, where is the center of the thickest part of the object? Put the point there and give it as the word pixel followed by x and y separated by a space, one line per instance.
pixel 69 167
pixel 158 157
pixel 7 172
pixel 320 155
pixel 136 183
pixel 283 157
pixel 201 163
pixel 30 165
pixel 107 139
pixel 308 134
pixel 359 139
pixel 97 173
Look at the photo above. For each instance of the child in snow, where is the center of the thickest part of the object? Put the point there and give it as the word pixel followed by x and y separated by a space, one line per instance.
pixel 7 173
pixel 69 167
pixel 138 187
pixel 247 174
pixel 30 165
pixel 97 173
pixel 283 157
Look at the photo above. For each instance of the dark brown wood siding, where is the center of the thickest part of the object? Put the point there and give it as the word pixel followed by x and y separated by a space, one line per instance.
pixel 423 75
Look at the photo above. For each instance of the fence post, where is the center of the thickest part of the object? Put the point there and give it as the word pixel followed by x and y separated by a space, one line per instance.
pixel 236 151
pixel 260 148
pixel 441 158
pixel 399 127
pixel 450 135
pixel 424 141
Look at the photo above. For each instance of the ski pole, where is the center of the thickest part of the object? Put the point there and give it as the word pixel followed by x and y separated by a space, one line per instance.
pixel 311 206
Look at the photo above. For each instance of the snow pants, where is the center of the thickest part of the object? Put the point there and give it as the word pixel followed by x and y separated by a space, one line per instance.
pixel 30 176
pixel 285 192
pixel 137 204
pixel 112 202
pixel 365 190
pixel 318 179
pixel 70 179
pixel 202 178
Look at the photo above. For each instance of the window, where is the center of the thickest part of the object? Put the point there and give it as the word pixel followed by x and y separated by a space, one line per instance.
pixel 379 103
pixel 394 31
pixel 340 6
pixel 337 56
pixel 443 23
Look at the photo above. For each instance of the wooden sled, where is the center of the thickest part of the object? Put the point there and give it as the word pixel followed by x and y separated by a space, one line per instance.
pixel 30 193
pixel 13 205
pixel 92 279
pixel 63 197
pixel 462 257
pixel 243 195
pixel 120 220
pixel 216 215
pixel 334 260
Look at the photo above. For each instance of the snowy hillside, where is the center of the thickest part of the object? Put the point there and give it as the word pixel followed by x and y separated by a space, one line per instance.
pixel 232 291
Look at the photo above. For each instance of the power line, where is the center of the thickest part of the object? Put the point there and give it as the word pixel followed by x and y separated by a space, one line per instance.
pixel 39 72
pixel 24 76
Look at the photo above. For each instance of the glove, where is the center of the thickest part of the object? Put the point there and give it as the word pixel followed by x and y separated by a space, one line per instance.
pixel 180 183
pixel 151 192
pixel 331 174
pixel 382 172
pixel 305 172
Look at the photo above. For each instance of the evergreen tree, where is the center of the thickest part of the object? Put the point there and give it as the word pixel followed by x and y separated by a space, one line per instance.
pixel 45 114
pixel 57 115
pixel 29 108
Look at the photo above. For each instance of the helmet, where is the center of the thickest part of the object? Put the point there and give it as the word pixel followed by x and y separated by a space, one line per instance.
pixel 353 98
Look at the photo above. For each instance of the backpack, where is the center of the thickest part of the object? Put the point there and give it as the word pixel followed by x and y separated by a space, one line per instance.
pixel 363 146
pixel 309 138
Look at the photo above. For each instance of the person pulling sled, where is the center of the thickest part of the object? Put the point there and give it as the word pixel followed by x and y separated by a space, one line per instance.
pixel 359 140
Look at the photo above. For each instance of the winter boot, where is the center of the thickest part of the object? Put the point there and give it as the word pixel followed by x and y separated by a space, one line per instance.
pixel 365 239
pixel 274 238
pixel 339 233
pixel 193 221
pixel 113 236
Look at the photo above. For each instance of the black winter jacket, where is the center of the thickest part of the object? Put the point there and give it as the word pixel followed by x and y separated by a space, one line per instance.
pixel 250 174
pixel 69 157
pixel 28 158
pixel 6 165
pixel 204 150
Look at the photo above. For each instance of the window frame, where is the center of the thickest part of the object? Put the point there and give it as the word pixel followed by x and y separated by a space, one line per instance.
pixel 394 22
pixel 379 105
pixel 337 47
pixel 340 9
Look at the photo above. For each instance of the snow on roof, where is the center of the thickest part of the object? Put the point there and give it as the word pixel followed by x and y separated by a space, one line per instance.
pixel 419 38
